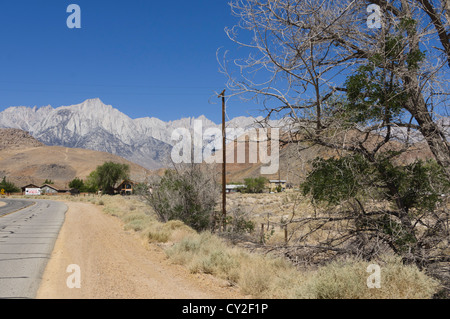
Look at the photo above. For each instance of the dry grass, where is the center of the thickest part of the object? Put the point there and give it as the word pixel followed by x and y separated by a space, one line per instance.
pixel 347 279
pixel 256 275
pixel 270 277
pixel 272 210
pixel 265 276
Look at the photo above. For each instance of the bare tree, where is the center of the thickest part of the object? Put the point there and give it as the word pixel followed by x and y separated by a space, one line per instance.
pixel 367 93
pixel 302 52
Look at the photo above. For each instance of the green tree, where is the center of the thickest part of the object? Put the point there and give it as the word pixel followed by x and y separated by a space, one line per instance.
pixel 301 54
pixel 91 183
pixel 255 185
pixel 8 186
pixel 413 191
pixel 78 183
pixel 106 176
pixel 364 94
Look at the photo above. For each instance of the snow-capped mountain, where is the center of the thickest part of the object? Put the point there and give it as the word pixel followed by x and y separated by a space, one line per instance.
pixel 96 126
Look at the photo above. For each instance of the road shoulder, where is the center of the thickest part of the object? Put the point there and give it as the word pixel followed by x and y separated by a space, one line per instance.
pixel 114 263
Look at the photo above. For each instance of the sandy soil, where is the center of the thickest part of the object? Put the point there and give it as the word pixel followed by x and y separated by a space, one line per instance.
pixel 115 263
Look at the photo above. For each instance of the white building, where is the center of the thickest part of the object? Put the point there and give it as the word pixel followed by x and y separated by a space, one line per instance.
pixel 230 188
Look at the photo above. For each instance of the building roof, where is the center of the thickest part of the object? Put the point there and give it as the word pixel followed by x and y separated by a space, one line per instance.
pixel 123 183
pixel 126 182
pixel 58 189
pixel 30 186
pixel 232 186
pixel 49 186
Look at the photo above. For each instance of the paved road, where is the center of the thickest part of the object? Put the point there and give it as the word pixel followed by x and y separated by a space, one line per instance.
pixel 14 205
pixel 27 237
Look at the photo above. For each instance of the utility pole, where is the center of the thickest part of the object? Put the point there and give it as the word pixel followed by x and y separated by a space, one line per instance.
pixel 224 163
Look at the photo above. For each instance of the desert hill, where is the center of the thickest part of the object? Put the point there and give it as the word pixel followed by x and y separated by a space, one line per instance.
pixel 295 159
pixel 25 160
pixel 15 138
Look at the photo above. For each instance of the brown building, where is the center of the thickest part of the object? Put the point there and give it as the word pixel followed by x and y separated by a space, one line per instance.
pixel 126 187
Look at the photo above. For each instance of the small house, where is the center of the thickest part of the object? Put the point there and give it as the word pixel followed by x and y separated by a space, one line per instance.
pixel 31 189
pixel 229 188
pixel 49 189
pixel 126 187
pixel 274 184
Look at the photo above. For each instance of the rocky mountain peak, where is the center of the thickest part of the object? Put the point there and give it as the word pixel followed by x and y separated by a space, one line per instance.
pixel 96 126
pixel 15 138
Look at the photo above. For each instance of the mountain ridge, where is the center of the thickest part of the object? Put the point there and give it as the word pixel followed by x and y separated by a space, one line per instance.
pixel 96 126
pixel 145 141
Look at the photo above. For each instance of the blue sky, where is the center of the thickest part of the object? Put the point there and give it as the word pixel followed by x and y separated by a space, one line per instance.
pixel 144 57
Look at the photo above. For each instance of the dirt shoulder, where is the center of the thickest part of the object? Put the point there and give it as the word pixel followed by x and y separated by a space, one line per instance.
pixel 114 263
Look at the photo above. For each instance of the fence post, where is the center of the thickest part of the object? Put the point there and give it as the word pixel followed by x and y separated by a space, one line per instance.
pixel 285 234
pixel 262 233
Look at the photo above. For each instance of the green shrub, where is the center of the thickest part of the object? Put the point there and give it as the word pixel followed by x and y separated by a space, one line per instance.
pixel 188 195
pixel 8 186
pixel 254 185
